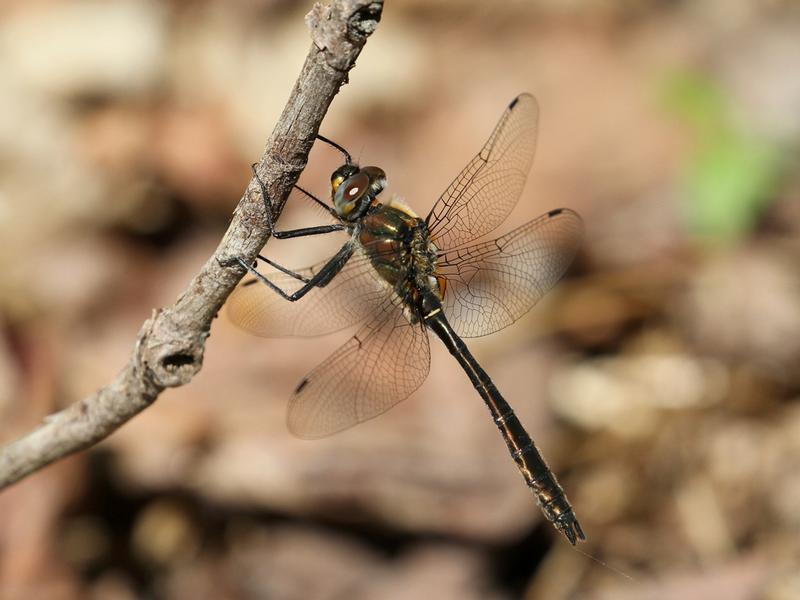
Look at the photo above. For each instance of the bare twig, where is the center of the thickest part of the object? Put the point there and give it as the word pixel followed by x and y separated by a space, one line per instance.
pixel 169 349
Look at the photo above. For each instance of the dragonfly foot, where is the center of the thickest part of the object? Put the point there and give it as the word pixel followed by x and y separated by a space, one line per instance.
pixel 232 261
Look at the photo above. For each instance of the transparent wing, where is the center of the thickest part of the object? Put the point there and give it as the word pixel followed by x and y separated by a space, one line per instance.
pixel 483 194
pixel 492 284
pixel 351 297
pixel 381 365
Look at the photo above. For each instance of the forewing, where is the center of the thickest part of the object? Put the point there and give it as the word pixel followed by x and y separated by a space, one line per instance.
pixel 381 365
pixel 483 194
pixel 351 297
pixel 492 284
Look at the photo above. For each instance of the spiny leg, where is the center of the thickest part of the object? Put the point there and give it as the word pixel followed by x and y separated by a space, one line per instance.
pixel 318 201
pixel 292 233
pixel 283 269
pixel 347 158
pixel 320 279
pixel 265 197
pixel 330 269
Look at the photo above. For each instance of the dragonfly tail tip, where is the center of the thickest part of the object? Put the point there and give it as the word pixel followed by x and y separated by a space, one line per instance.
pixel 572 530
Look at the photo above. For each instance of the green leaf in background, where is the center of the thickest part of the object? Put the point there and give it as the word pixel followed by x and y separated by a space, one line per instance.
pixel 729 182
pixel 731 176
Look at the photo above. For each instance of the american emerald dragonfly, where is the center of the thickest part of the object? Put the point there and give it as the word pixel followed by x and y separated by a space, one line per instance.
pixel 398 274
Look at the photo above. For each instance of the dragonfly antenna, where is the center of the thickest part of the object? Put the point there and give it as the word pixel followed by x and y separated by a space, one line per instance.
pixel 348 159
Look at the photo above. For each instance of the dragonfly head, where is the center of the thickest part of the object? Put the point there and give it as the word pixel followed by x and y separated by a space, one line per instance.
pixel 354 189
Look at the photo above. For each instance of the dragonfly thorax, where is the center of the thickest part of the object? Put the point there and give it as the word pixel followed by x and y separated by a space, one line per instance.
pixel 402 254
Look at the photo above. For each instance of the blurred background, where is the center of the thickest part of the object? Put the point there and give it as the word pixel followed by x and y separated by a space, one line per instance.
pixel 660 377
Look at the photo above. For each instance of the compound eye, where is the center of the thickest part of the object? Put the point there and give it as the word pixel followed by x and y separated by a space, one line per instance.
pixel 354 187
pixel 341 175
pixel 349 193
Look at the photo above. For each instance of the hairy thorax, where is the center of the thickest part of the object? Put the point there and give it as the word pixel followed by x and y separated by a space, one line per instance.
pixel 397 243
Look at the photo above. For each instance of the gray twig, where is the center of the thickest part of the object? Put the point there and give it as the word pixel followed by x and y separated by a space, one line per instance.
pixel 169 348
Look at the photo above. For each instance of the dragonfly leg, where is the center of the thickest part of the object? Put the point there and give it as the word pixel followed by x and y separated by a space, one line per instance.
pixel 320 279
pixel 293 232
pixel 318 201
pixel 347 158
pixel 283 269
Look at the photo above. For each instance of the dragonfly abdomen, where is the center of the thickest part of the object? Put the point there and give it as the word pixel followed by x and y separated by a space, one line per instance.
pixel 549 494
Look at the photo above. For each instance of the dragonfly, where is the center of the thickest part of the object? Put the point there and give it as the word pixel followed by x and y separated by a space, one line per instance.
pixel 398 275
